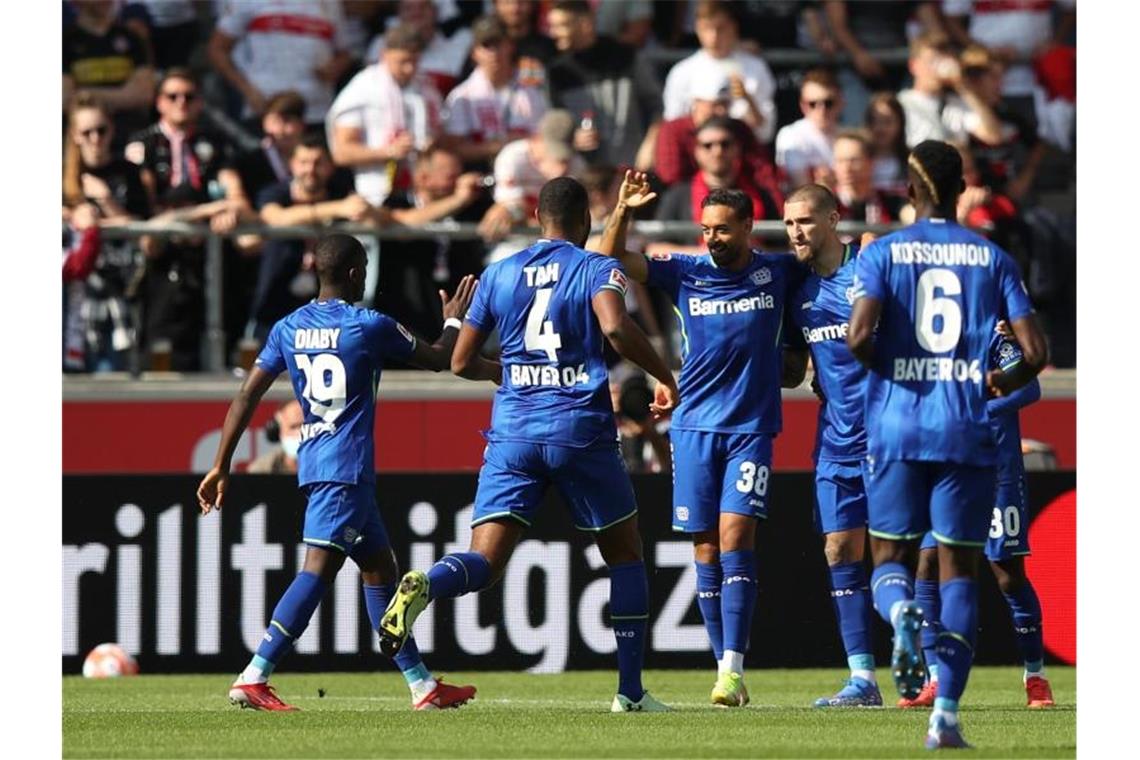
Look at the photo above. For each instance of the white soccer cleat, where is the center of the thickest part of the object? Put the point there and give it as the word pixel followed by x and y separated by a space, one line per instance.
pixel 647 703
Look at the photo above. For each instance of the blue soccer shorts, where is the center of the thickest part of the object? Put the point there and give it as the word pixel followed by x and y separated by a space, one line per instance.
pixel 718 472
pixel 840 496
pixel 516 474
pixel 1009 525
pixel 344 516
pixel 908 498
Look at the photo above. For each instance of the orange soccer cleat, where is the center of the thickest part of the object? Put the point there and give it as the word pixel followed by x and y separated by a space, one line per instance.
pixel 445 695
pixel 258 696
pixel 925 697
pixel 1037 692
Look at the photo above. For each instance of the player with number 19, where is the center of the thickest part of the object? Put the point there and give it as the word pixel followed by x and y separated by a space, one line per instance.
pixel 928 298
pixel 730 304
pixel 333 352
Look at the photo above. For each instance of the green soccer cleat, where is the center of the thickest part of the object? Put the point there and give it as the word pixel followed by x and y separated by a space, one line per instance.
pixel 647 703
pixel 729 690
pixel 410 600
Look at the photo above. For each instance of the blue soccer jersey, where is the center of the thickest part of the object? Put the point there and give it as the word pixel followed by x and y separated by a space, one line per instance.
pixel 732 338
pixel 555 388
pixel 334 352
pixel 942 289
pixel 821 309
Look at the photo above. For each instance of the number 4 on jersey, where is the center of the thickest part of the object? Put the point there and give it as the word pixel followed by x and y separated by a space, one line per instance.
pixel 540 335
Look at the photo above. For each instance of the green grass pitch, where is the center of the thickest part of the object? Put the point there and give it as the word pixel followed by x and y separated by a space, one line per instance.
pixel 522 715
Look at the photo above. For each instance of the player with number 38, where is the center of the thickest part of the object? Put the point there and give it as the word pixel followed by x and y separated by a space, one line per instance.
pixel 333 352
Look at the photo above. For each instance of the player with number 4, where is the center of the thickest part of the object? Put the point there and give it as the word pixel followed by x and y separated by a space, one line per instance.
pixel 731 308
pixel 333 352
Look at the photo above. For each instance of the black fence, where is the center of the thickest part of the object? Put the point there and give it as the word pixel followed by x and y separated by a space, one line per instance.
pixel 192 594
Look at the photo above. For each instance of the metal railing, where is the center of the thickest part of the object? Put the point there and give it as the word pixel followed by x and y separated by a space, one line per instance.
pixel 215 340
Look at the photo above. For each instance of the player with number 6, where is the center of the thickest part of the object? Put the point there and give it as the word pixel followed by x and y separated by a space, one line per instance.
pixel 731 308
pixel 334 352
pixel 927 300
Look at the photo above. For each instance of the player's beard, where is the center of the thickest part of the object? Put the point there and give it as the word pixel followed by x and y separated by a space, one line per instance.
pixel 723 253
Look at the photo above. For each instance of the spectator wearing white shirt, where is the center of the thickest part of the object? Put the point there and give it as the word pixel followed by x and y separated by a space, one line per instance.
pixel 492 106
pixel 804 147
pixel 752 86
pixel 521 169
pixel 262 47
pixel 940 105
pixel 383 116
pixel 443 57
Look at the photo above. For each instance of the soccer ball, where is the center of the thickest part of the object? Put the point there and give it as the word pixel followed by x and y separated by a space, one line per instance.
pixel 109 661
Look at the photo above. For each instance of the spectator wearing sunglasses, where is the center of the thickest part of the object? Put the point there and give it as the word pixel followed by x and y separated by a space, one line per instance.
pixel 177 151
pixel 720 164
pixel 805 146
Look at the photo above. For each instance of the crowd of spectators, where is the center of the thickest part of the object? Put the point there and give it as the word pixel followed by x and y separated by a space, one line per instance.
pixel 402 112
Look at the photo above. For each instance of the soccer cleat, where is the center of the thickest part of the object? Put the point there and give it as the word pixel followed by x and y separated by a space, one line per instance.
pixel 857 692
pixel 445 695
pixel 907 667
pixel 258 696
pixel 1038 694
pixel 925 697
pixel 407 604
pixel 729 690
pixel 944 733
pixel 647 703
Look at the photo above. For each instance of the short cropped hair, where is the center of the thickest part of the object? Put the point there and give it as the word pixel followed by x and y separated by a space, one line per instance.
pixel 821 76
pixel 404 37
pixel 737 200
pixel 287 103
pixel 563 203
pixel 821 198
pixel 335 254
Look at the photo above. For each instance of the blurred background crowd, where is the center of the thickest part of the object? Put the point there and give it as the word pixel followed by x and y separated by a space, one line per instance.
pixel 246 116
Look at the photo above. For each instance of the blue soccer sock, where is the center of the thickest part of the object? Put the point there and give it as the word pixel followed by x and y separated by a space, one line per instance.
pixel 290 619
pixel 737 602
pixel 891 583
pixel 408 659
pixel 708 602
pixel 629 614
pixel 927 596
pixel 956 640
pixel 458 574
pixel 1026 611
pixel 852 599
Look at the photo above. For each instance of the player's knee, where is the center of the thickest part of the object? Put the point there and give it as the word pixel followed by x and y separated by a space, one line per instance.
pixel 843 548
pixel 1010 578
pixel 323 563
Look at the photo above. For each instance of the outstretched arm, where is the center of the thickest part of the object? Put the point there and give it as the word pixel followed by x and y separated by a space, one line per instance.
pixel 437 356
pixel 629 341
pixel 212 489
pixel 633 194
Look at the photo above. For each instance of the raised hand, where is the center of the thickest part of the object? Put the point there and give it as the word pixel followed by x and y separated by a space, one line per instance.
pixel 456 306
pixel 635 191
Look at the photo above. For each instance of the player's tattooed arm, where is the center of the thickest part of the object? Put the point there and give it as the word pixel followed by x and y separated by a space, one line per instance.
pixel 861 333
pixel 633 194
pixel 1034 357
pixel 437 356
pixel 212 489
pixel 468 363
pixel 794 367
